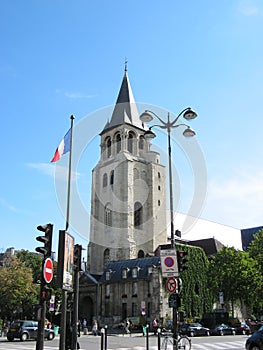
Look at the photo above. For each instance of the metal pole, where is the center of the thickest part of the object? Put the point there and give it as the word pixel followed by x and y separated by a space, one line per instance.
pixel 41 321
pixel 147 337
pixel 75 315
pixel 62 339
pixel 175 333
pixel 106 337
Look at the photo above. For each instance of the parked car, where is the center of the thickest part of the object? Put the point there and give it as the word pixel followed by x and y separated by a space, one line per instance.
pixel 223 329
pixel 255 342
pixel 25 329
pixel 193 329
pixel 243 329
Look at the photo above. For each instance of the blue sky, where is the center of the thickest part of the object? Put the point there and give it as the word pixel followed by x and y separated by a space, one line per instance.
pixel 67 57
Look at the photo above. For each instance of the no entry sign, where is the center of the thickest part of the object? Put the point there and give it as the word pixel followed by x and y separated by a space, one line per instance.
pixel 48 270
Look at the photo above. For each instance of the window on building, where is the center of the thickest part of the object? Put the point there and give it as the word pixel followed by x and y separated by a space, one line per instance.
pixel 135 272
pixel 118 143
pixel 124 273
pixel 108 216
pixel 124 290
pixel 140 254
pixel 159 175
pixel 159 203
pixel 105 180
pixel 141 142
pixel 108 146
pixel 134 289
pixel 130 142
pixel 106 257
pixel 112 177
pixel 107 275
pixel 107 291
pixel 134 309
pixel 137 214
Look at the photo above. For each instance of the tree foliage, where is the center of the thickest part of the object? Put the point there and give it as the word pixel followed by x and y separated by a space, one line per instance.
pixel 18 292
pixel 235 274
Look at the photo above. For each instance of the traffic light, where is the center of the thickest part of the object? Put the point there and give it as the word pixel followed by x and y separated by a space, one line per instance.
pixel 77 256
pixel 47 240
pixel 181 260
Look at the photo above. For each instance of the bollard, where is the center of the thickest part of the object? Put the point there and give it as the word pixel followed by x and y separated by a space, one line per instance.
pixel 102 338
pixel 159 338
pixel 147 337
pixel 106 337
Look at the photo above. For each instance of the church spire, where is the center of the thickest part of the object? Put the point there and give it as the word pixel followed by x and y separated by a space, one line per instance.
pixel 125 110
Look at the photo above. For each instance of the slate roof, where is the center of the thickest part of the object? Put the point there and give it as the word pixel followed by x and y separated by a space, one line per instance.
pixel 210 245
pixel 125 110
pixel 115 268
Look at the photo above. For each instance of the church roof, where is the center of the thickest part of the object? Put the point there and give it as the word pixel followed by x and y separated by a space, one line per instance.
pixel 125 110
pixel 142 264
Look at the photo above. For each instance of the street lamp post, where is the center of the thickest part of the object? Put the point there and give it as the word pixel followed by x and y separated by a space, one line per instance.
pixel 146 117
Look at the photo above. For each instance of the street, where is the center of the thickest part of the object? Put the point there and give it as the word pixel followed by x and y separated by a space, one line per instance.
pixel 135 342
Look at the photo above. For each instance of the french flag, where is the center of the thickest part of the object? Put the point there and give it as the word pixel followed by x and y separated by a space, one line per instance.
pixel 63 147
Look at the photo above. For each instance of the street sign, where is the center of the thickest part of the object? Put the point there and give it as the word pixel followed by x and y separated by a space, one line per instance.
pixel 171 285
pixel 48 270
pixel 169 263
pixel 174 300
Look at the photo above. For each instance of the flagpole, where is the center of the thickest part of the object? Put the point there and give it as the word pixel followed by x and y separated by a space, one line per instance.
pixel 69 171
pixel 63 320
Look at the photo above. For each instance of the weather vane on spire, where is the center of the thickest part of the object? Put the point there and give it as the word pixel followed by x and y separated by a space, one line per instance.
pixel 125 64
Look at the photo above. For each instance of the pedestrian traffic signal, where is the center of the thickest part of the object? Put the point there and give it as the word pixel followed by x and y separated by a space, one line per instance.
pixel 46 250
pixel 181 260
pixel 77 256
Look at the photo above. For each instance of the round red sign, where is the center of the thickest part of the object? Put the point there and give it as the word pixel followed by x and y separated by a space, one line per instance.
pixel 48 270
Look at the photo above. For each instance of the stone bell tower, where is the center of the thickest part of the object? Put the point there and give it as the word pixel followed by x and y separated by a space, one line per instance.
pixel 128 200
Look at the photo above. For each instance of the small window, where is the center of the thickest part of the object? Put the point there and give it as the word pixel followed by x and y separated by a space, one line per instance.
pixel 159 175
pixel 159 203
pixel 134 289
pixel 159 188
pixel 141 142
pixel 107 290
pixel 118 142
pixel 112 177
pixel 135 272
pixel 105 180
pixel 108 146
pixel 107 275
pixel 124 273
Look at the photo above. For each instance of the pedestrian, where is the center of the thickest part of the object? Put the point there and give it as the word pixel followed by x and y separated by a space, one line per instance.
pixel 95 327
pixel 155 326
pixel 127 326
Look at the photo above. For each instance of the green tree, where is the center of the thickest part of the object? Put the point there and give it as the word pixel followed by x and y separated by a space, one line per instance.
pixel 235 274
pixel 18 292
pixel 32 261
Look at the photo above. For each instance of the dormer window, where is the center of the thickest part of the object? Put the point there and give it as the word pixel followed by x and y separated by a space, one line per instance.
pixel 135 272
pixel 124 273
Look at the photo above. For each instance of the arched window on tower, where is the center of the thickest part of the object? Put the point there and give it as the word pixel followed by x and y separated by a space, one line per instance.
pixel 137 214
pixel 130 142
pixel 118 143
pixel 108 147
pixel 112 177
pixel 106 257
pixel 108 216
pixel 105 180
pixel 140 254
pixel 141 142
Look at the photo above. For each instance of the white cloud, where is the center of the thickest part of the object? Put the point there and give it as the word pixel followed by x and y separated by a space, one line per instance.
pixel 247 8
pixel 58 171
pixel 8 206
